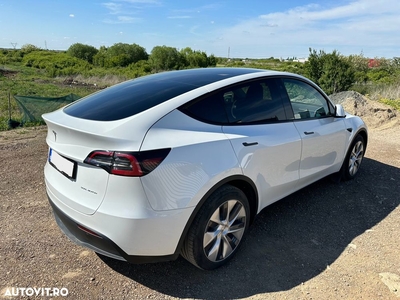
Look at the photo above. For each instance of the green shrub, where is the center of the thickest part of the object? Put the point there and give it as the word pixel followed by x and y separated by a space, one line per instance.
pixel 55 63
pixel 331 71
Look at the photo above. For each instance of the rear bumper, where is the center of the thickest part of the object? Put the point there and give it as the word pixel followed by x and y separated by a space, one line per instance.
pixel 125 226
pixel 100 243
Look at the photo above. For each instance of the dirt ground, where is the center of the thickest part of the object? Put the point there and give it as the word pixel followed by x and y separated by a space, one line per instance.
pixel 327 241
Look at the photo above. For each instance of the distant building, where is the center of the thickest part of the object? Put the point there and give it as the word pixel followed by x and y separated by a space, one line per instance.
pixel 295 59
pixel 301 60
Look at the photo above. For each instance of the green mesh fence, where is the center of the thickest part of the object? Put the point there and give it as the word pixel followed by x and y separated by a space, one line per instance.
pixel 32 108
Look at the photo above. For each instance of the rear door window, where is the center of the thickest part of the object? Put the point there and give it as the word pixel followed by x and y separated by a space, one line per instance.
pixel 254 102
pixel 245 103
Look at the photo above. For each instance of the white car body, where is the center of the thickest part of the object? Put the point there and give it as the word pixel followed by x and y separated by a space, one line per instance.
pixel 146 218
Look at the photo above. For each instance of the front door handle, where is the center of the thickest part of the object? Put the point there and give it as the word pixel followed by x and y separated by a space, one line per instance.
pixel 250 144
pixel 308 132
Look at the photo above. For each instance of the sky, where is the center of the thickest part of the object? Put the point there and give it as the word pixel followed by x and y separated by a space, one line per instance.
pixel 234 28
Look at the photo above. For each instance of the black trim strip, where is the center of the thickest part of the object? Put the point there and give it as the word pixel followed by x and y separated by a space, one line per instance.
pixel 101 244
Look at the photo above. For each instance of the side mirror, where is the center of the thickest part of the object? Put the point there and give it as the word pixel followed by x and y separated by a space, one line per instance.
pixel 339 111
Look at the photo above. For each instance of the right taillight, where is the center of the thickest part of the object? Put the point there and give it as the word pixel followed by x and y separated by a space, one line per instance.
pixel 134 164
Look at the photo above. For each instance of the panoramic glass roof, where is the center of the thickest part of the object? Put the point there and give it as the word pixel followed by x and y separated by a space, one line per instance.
pixel 131 97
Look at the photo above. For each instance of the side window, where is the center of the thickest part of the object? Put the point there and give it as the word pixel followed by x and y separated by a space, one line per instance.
pixel 246 103
pixel 306 101
pixel 253 102
pixel 207 109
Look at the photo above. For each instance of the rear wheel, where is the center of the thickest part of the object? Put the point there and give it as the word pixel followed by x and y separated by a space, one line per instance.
pixel 218 229
pixel 354 158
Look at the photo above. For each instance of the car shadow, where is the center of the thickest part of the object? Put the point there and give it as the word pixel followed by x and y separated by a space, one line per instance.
pixel 289 243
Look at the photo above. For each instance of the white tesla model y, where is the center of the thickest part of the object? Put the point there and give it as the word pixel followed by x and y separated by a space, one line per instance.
pixel 181 162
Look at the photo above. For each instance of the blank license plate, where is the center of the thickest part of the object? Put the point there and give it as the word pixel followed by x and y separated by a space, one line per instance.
pixel 62 164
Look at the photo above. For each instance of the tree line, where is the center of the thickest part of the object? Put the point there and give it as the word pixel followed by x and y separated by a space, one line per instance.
pixel 332 71
pixel 161 58
pixel 128 60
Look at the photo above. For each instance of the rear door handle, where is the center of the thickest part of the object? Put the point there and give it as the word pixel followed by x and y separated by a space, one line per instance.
pixel 308 132
pixel 250 144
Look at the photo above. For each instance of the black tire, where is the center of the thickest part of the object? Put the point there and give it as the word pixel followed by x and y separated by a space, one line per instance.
pixel 218 230
pixel 353 159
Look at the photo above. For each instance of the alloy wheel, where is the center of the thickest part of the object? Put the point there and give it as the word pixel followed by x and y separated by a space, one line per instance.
pixel 224 230
pixel 356 157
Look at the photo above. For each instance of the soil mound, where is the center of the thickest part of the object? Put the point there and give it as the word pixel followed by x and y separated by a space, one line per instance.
pixel 7 73
pixel 375 114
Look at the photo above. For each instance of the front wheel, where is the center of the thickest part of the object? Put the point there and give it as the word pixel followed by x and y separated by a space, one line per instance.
pixel 354 158
pixel 218 229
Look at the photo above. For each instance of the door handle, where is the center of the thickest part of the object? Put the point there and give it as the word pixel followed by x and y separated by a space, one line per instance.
pixel 250 144
pixel 308 132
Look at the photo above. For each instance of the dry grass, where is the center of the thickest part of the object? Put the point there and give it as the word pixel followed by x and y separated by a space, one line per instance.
pixel 101 81
pixel 387 94
pixel 391 92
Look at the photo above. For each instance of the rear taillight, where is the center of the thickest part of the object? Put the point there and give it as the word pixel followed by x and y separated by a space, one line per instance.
pixel 127 163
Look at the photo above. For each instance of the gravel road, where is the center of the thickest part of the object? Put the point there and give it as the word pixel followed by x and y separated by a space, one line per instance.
pixel 327 241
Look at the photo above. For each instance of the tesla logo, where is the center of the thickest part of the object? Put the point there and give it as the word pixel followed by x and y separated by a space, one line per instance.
pixel 55 136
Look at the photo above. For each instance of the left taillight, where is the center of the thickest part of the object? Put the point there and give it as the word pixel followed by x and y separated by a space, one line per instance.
pixel 133 164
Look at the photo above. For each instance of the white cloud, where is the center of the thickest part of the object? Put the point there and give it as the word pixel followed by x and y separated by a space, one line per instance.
pixel 72 15
pixel 179 17
pixel 122 20
pixel 113 8
pixel 122 12
pixel 141 1
pixel 204 8
pixel 362 25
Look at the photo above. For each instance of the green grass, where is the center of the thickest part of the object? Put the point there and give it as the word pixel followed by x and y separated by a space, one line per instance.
pixel 31 82
pixel 393 103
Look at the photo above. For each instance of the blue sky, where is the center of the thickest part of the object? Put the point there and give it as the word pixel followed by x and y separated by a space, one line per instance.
pixel 249 29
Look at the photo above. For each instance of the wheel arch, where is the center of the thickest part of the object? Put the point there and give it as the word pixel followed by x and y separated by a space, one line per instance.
pixel 241 182
pixel 337 177
pixel 364 135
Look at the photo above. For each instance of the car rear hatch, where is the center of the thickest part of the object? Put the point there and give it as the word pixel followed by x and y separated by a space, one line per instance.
pixel 79 185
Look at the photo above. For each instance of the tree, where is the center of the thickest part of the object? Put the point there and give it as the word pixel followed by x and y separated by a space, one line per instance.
pixel 360 66
pixel 101 56
pixel 194 59
pixel 314 65
pixel 163 58
pixel 197 59
pixel 85 52
pixel 28 48
pixel 212 61
pixel 127 53
pixel 332 72
pixel 337 74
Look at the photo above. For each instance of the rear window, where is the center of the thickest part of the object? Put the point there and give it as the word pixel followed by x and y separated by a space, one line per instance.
pixel 131 97
pixel 125 99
